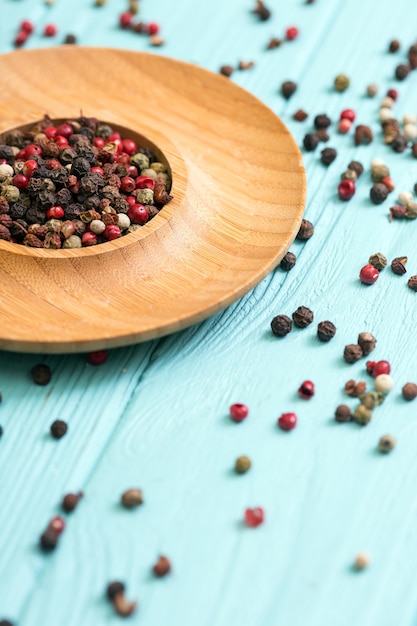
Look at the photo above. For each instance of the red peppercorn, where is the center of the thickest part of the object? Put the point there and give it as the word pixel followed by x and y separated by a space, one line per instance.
pixel 131 200
pixel 20 38
pixel 65 130
pixel 53 164
pixel 291 33
pixel 27 27
pixel 306 390
pixel 127 184
pixel 20 181
pixel 50 132
pixel 99 142
pixel 348 114
pixel 55 212
pixel 346 189
pixel 392 93
pixel 115 135
pixel 344 126
pixel 138 214
pixel 152 28
pixel 57 524
pixel 238 412
pixel 132 171
pixel 21 155
pixel 50 30
pixel 32 149
pixel 287 421
pixel 370 367
pixel 129 146
pixel 29 167
pixel 254 517
pixel 145 182
pixel 112 231
pixel 61 141
pixel 381 367
pixel 89 239
pixel 123 158
pixel 125 19
pixel 97 358
pixel 368 274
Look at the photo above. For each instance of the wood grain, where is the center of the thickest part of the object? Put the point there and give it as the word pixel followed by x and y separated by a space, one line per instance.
pixel 238 187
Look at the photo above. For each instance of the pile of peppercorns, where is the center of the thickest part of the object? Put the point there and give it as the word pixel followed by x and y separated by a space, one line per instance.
pixel 76 184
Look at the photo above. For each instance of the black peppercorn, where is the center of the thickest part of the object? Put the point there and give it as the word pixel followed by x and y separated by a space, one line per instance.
pixel 273 43
pixel 397 265
pixel 310 141
pixel 70 39
pixel 402 71
pixel 363 135
pixel 303 317
pixel 288 88
pixel 281 325
pixel 367 342
pixel 352 353
pixel 288 262
pixel 49 540
pixel 322 121
pixel 412 283
pixel 70 501
pixel 399 143
pixel 325 331
pixel 113 589
pixel 306 230
pixel 322 135
pixel 5 622
pixel 394 46
pixel 58 429
pixel 328 155
pixel 226 70
pixel 357 167
pixel 378 193
pixel 300 115
pixel 261 11
pixel 41 374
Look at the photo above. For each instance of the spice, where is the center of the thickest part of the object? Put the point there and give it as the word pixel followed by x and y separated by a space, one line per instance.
pixel 5 622
pixel 362 415
pixel 328 155
pixel 274 43
pixel 261 11
pixel 281 325
pixel 132 498
pixel 41 374
pixel 246 65
pixel 287 421
pixel 58 429
pixel 344 126
pixel 352 353
pixel 300 115
pixel 50 30
pixel 49 540
pixel 242 464
pixel 368 274
pixel 306 390
pixel 226 70
pixel 353 389
pixel 378 193
pixel 322 121
pixel 343 414
pixel 386 443
pixel 238 412
pixel 397 265
pixel 322 135
pixel 362 561
pixel 405 197
pixel 378 172
pixel 409 391
pixel 378 260
pixel 162 567
pixel 288 262
pixel 402 71
pixel 288 87
pixel 310 141
pixel 1 431
pixel 70 501
pixel 341 83
pixel 349 175
pixel 325 331
pixel 302 317
pixel 384 383
pixel 291 33
pixel 371 90
pixel 115 593
pixel 306 230
pixel 70 39
pixel 363 135
pixel 97 358
pixel 367 342
pixel 346 189
pixel 254 517
pixel 380 367
pixel 394 46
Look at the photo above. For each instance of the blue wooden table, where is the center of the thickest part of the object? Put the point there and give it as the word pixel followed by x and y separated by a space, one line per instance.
pixel 155 416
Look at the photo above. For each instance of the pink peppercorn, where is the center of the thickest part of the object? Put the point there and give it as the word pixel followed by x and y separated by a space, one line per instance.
pixel 50 30
pixel 50 132
pixel 381 367
pixel 138 214
pixel 129 146
pixel 344 126
pixel 287 421
pixel 388 182
pixel 61 141
pixel 98 357
pixel 29 167
pixel 291 33
pixel 97 170
pixel 32 149
pixel 65 130
pixel 152 28
pixel 55 212
pixel 125 19
pixel 368 274
pixel 20 181
pixel 99 142
pixel 238 412
pixel 57 524
pixel 89 239
pixel 306 390
pixel 127 184
pixel 392 93
pixel 20 38
pixel 27 27
pixel 145 182
pixel 348 114
pixel 346 189
pixel 131 200
pixel 254 517
pixel 112 231
pixel 370 367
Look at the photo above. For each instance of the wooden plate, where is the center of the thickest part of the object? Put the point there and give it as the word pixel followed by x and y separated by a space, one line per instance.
pixel 238 187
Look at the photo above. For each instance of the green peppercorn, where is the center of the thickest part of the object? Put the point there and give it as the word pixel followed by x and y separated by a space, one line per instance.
pixel 242 464
pixel 144 196
pixel 72 242
pixel 140 160
pixel 341 82
pixel 362 415
pixel 158 167
pixel 10 192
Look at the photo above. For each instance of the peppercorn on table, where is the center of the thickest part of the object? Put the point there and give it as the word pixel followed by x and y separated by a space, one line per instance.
pixel 239 472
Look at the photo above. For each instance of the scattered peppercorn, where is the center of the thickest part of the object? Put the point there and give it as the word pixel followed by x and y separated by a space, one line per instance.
pixel 310 141
pixel 363 135
pixel 354 389
pixel 115 593
pixel 49 540
pixel 328 155
pixel 300 115
pixel 346 189
pixel 287 421
pixel 367 343
pixel 412 283
pixel 5 622
pixel 322 121
pixel 288 262
pixel 246 65
pixel 1 431
pixel 58 429
pixel 378 260
pixel 362 561
pixel 238 412
pixel 397 265
pixel 409 391
pixel 368 274
pixel 402 71
pixel 394 46
pixel 362 415
pixel 343 414
pixel 113 589
pixel 341 83
pixel 242 464
pixel 386 443
pixel 132 498
pixel 261 11
pixel 325 331
pixel 357 167
pixel 41 374
pixel 70 39
pixel 322 135
pixel 306 390
pixel 97 358
pixel 162 567
pixel 288 87
pixel 291 33
pixel 302 317
pixel 226 70
pixel 156 41
pixel 384 383
pixel 254 517
pixel 380 367
pixel 306 230
pixel 70 501
pixel 281 325
pixel 371 90
pixel 274 43
pixel 352 353
pixel 378 193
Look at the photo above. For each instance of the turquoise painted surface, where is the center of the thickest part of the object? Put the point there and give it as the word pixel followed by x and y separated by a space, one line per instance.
pixel 155 415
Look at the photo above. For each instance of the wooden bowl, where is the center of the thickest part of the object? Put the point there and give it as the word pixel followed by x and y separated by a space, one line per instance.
pixel 238 187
